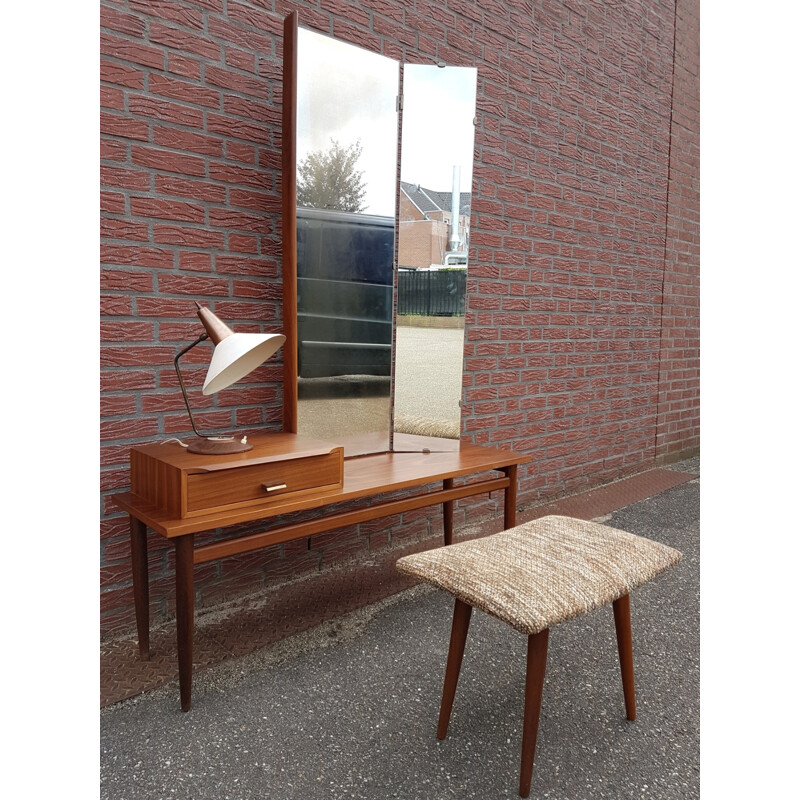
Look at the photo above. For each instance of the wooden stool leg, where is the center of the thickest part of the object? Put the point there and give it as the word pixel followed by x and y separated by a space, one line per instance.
pixel 622 622
pixel 458 638
pixel 534 683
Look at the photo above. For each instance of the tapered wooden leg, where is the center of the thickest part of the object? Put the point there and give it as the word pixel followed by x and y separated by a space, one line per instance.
pixel 447 512
pixel 622 622
pixel 184 609
pixel 141 588
pixel 510 504
pixel 458 638
pixel 534 684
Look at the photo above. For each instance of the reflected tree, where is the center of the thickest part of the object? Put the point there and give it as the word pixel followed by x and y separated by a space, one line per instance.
pixel 330 178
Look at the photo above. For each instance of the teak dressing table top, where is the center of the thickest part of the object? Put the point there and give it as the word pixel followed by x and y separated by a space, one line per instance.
pixel 364 476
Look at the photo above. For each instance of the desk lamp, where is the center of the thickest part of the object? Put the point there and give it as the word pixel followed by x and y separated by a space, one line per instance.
pixel 235 355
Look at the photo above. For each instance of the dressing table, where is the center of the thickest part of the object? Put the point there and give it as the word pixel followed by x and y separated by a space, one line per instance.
pixel 177 495
pixel 341 283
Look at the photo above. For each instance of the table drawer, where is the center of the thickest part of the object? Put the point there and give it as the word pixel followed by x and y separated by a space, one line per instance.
pixel 278 467
pixel 260 483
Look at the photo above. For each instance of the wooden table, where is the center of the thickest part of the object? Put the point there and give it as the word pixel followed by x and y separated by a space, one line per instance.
pixel 363 479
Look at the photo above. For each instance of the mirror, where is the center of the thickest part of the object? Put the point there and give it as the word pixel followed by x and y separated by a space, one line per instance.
pixel 433 248
pixel 346 179
pixel 342 207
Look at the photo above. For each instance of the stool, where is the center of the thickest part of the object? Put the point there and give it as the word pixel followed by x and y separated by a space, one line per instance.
pixel 532 577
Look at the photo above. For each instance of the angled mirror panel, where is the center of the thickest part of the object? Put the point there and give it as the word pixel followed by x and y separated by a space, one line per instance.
pixel 346 182
pixel 433 249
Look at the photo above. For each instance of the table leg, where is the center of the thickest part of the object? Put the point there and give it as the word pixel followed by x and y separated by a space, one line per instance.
pixel 184 609
pixel 447 512
pixel 510 505
pixel 141 588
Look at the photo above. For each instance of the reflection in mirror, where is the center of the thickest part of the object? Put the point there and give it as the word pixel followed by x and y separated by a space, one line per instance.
pixel 433 246
pixel 346 195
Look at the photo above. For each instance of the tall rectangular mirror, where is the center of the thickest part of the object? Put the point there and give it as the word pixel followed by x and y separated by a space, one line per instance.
pixel 375 258
pixel 346 179
pixel 437 144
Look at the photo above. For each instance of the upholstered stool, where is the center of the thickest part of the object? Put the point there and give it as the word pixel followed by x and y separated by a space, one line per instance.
pixel 533 577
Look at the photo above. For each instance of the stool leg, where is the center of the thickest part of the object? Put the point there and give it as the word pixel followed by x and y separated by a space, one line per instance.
pixel 458 638
pixel 622 622
pixel 534 684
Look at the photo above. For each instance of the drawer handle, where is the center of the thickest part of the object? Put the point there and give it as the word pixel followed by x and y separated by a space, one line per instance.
pixel 273 488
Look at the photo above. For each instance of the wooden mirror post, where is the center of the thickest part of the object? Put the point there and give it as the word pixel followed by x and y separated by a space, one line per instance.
pixel 289 222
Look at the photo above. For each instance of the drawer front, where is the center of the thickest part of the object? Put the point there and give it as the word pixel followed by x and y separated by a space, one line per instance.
pixel 260 483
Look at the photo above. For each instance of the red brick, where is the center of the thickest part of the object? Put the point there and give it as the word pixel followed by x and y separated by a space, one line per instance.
pixel 119 125
pixel 116 20
pixel 159 208
pixel 168 10
pixel 129 380
pixel 187 186
pixel 251 29
pixel 239 151
pixel 112 203
pixel 191 285
pixel 112 228
pixel 136 256
pixel 184 41
pixel 121 74
pixel 188 237
pixel 243 243
pixel 113 149
pixel 181 65
pixel 240 265
pixel 197 262
pixel 184 91
pixel 168 161
pixel 153 108
pixel 136 52
pixel 115 305
pixel 252 132
pixel 120 178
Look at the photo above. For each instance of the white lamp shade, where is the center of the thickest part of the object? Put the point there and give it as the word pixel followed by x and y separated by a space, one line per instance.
pixel 238 355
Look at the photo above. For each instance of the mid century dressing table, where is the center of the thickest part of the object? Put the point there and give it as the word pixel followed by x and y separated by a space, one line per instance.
pixel 179 494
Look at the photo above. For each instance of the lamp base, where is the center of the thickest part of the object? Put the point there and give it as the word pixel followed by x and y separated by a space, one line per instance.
pixel 219 445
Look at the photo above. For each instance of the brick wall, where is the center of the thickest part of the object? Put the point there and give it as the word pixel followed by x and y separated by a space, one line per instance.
pixel 424 239
pixel 422 243
pixel 679 383
pixel 584 219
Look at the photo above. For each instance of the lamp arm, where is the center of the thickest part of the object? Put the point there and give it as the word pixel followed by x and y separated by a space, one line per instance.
pixel 201 338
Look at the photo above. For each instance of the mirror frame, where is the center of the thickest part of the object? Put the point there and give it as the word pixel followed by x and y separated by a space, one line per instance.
pixel 289 221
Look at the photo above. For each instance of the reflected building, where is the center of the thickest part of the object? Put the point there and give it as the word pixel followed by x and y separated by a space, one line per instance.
pixel 426 234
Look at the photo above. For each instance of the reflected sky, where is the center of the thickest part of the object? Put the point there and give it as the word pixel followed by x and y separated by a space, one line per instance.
pixel 438 129
pixel 356 100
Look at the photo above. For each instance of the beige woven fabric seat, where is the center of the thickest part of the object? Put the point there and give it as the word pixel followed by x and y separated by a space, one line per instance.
pixel 543 572
pixel 533 577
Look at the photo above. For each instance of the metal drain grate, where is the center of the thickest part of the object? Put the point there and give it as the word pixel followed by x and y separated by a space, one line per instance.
pixel 605 499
